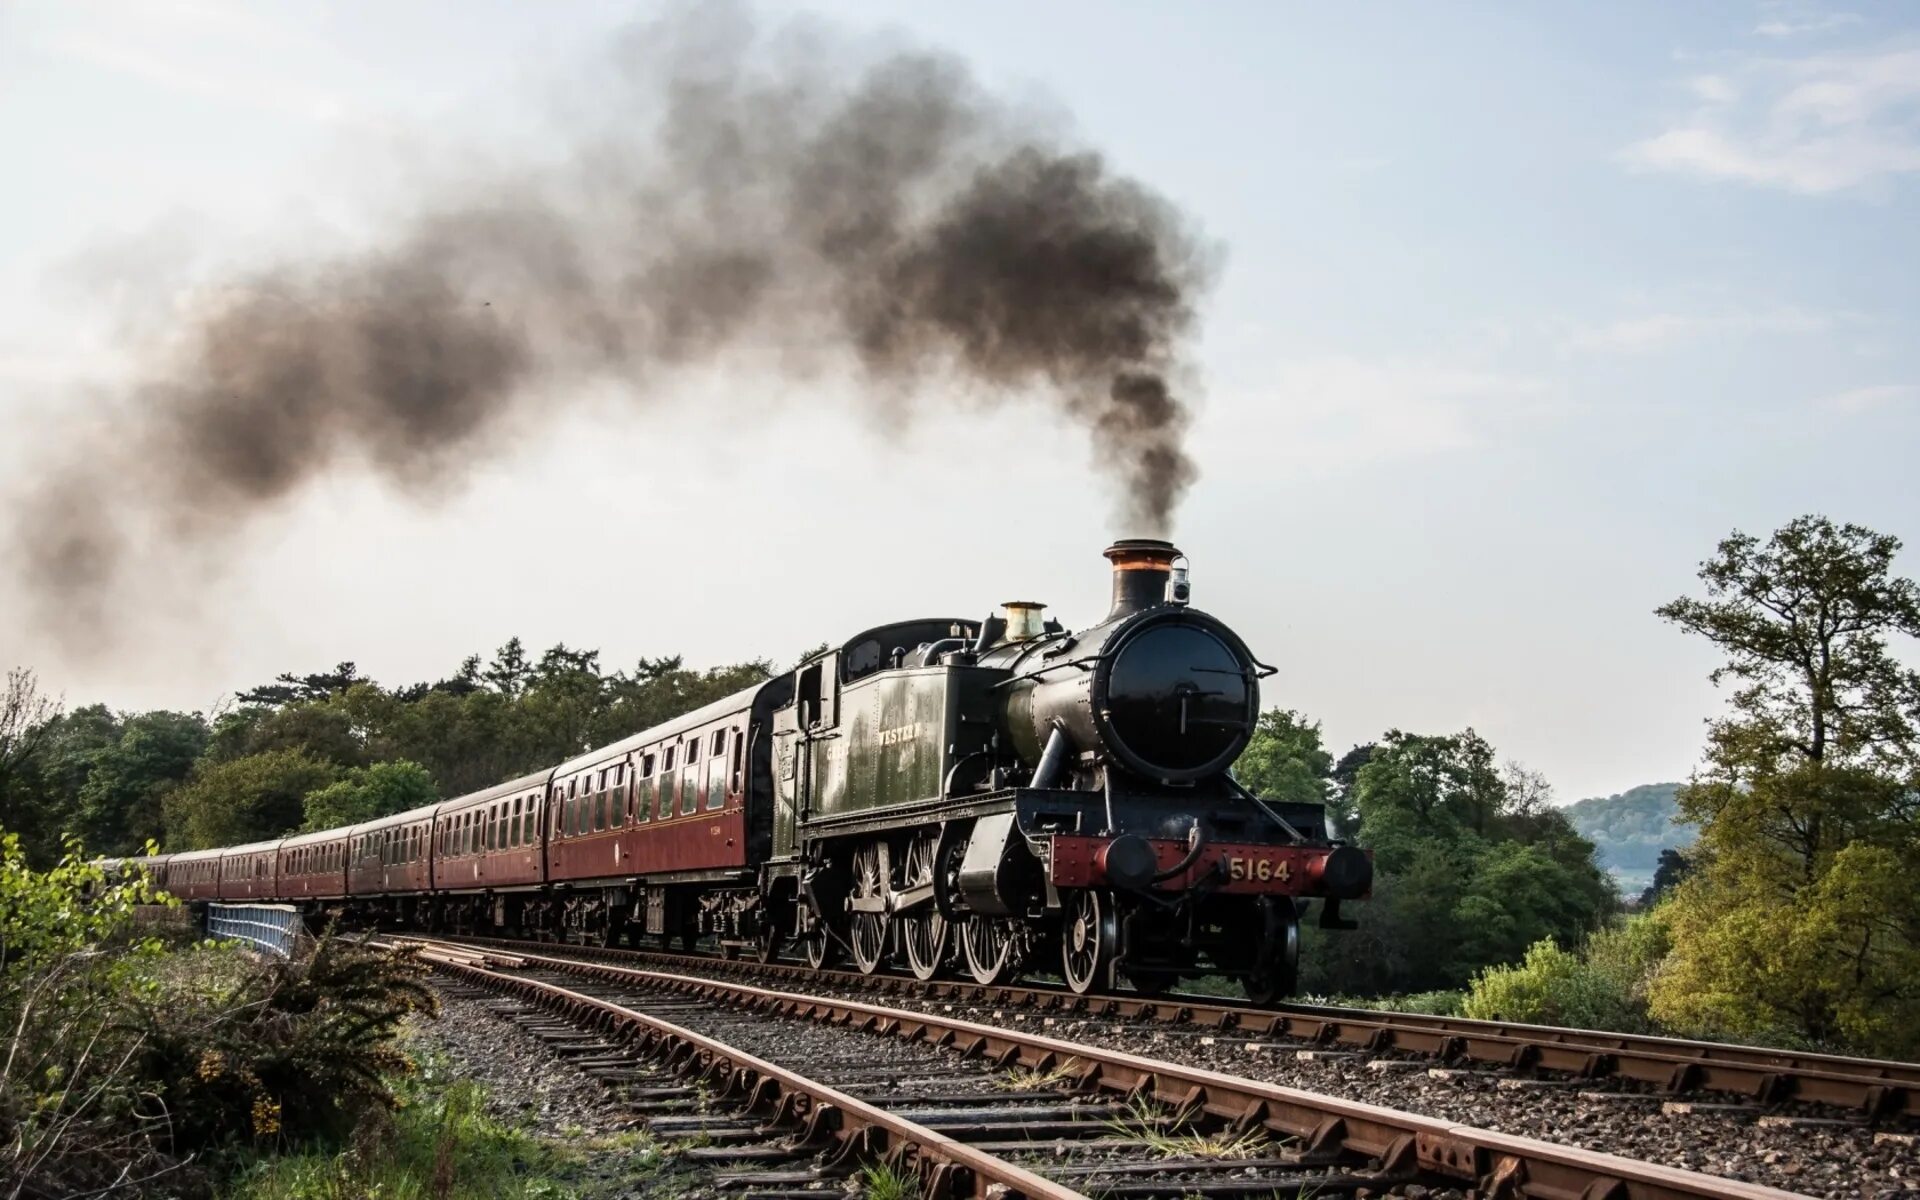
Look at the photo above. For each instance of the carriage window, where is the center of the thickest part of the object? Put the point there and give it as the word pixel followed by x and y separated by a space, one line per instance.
pixel 719 741
pixel 600 806
pixel 513 824
pixel 526 830
pixel 689 780
pixel 716 778
pixel 669 766
pixel 617 801
pixel 738 781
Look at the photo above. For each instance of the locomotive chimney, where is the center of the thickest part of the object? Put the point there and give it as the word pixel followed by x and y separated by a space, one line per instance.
pixel 1141 568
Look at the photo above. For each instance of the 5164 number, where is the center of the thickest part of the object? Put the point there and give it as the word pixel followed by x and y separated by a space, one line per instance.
pixel 1262 870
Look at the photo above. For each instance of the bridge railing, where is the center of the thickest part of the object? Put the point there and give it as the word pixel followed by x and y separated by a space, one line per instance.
pixel 274 928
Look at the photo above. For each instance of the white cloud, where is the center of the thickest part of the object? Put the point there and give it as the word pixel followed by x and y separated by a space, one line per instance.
pixel 1819 124
pixel 1861 399
pixel 1658 330
pixel 1786 27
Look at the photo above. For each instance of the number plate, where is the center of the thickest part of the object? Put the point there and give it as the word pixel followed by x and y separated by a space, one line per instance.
pixel 1257 868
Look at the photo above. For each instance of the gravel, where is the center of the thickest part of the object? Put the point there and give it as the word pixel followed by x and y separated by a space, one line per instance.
pixel 527 1083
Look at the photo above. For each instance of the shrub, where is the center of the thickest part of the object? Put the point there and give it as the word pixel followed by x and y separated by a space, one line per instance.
pixel 134 1071
pixel 1550 986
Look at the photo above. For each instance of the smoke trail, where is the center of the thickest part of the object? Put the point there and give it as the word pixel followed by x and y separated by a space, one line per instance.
pixel 752 188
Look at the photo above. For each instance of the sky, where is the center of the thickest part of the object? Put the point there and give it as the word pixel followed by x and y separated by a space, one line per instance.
pixel 1519 309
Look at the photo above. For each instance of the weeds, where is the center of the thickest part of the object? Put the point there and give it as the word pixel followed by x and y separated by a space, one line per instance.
pixel 884 1181
pixel 1036 1079
pixel 1171 1134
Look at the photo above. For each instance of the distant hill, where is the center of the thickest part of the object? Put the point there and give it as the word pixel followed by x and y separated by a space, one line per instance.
pixel 1631 829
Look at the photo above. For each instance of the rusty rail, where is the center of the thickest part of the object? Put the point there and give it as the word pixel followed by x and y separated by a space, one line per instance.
pixel 1877 1088
pixel 1498 1165
pixel 823 1114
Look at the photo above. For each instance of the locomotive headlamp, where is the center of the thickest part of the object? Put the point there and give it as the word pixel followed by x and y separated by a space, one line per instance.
pixel 1178 590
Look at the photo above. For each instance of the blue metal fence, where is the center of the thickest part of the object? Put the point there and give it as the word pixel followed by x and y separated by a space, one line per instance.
pixel 274 928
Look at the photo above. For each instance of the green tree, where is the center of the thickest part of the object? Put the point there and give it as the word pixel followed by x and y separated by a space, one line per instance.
pixel 1473 865
pixel 1796 921
pixel 119 806
pixel 364 793
pixel 1285 760
pixel 248 799
pixel 1667 874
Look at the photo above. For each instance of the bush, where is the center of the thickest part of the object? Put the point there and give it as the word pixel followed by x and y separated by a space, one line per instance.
pixel 1551 987
pixel 136 1071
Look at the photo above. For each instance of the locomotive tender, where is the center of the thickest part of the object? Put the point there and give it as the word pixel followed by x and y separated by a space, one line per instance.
pixel 995 795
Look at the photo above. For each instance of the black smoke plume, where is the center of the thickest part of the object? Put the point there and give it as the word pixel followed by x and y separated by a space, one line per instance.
pixel 743 189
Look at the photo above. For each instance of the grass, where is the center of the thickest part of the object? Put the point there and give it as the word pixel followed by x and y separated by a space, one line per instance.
pixel 1035 1079
pixel 884 1181
pixel 442 1144
pixel 1170 1134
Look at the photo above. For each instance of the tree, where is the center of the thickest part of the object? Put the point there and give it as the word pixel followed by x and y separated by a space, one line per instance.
pixel 1667 874
pixel 248 799
pixel 1794 921
pixel 1284 760
pixel 288 688
pixel 119 806
pixel 509 670
pixel 26 720
pixel 1473 862
pixel 367 792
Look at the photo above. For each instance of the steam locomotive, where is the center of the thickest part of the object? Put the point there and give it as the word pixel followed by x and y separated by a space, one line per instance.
pixel 993 796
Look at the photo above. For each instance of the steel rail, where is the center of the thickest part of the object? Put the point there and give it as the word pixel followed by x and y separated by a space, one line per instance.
pixel 1876 1087
pixel 824 1114
pixel 1497 1165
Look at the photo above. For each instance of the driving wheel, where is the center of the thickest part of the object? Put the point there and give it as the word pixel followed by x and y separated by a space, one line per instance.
pixel 923 931
pixel 867 916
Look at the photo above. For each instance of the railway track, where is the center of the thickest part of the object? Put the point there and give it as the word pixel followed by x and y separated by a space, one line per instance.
pixel 822 1084
pixel 1873 1088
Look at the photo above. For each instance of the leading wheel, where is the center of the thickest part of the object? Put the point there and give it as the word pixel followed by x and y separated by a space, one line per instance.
pixel 923 931
pixel 1089 939
pixel 1276 969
